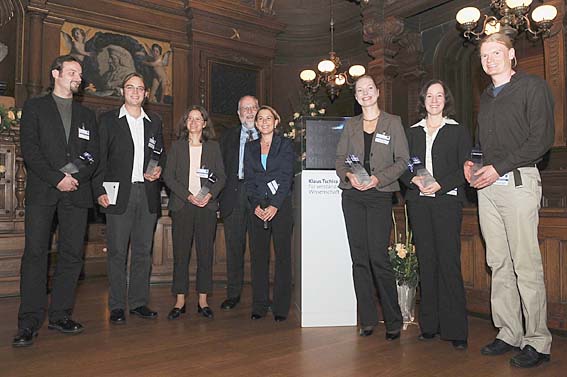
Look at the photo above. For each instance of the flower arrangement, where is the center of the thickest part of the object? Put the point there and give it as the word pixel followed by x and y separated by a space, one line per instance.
pixel 402 255
pixel 9 118
pixel 308 109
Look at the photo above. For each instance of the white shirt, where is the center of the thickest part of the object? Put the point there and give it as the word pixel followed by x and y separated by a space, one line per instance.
pixel 430 139
pixel 136 126
pixel 194 165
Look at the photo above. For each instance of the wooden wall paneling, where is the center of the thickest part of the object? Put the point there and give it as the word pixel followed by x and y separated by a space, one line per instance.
pixel 50 40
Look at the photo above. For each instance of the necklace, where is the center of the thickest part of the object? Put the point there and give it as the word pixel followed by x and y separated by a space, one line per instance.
pixel 371 120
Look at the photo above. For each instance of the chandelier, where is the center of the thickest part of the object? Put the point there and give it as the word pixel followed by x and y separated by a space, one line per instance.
pixel 513 19
pixel 329 71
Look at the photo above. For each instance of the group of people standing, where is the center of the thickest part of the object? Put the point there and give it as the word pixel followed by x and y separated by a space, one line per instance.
pixel 249 174
pixel 73 161
pixel 515 129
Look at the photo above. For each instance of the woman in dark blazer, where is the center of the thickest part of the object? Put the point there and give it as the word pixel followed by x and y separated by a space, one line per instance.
pixel 194 164
pixel 268 176
pixel 378 140
pixel 442 146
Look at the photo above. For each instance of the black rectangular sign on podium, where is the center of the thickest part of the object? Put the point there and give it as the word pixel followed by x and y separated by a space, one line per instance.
pixel 320 140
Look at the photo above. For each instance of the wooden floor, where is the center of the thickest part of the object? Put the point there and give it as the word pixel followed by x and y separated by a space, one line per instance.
pixel 233 345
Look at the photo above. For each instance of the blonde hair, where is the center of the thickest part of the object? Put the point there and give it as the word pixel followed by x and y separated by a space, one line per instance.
pixel 501 38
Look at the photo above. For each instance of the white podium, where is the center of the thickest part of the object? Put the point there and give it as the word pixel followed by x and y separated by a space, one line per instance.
pixel 324 290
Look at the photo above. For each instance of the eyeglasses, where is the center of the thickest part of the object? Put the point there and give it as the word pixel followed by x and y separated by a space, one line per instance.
pixel 248 109
pixel 132 88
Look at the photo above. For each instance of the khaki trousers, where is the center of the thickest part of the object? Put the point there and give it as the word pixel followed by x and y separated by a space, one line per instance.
pixel 509 220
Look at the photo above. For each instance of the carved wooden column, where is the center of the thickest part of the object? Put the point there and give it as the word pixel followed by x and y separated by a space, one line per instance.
pixel 36 16
pixel 411 71
pixel 554 50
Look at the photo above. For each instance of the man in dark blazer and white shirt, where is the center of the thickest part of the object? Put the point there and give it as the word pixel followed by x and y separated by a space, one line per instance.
pixel 55 131
pixel 130 138
pixel 234 206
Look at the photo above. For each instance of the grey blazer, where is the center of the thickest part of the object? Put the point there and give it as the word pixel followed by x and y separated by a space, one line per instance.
pixel 387 161
pixel 176 174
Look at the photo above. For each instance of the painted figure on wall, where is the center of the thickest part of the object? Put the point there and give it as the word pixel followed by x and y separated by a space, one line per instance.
pixel 108 57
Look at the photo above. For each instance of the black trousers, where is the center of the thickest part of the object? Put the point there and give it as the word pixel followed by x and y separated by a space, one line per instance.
pixel 135 226
pixel 235 226
pixel 368 218
pixel 33 273
pixel 437 235
pixel 280 229
pixel 188 223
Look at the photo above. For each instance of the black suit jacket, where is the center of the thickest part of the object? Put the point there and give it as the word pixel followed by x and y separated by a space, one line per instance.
pixel 230 150
pixel 279 167
pixel 176 174
pixel 45 150
pixel 117 159
pixel 451 148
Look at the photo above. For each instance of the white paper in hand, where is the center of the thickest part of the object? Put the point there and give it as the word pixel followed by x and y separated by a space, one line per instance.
pixel 111 190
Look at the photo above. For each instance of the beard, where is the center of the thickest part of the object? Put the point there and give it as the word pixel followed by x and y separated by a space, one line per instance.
pixel 74 86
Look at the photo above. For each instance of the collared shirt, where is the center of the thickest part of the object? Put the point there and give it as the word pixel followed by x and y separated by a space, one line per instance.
pixel 243 140
pixel 136 126
pixel 430 139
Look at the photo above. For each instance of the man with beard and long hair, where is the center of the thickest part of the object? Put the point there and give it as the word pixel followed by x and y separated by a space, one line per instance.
pixel 59 145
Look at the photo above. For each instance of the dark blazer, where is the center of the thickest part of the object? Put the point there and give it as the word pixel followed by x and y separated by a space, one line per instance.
pixel 279 167
pixel 45 150
pixel 230 149
pixel 450 150
pixel 117 159
pixel 387 161
pixel 176 174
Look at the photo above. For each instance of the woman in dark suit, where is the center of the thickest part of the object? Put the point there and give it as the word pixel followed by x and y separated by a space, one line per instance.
pixel 442 146
pixel 268 176
pixel 194 163
pixel 378 140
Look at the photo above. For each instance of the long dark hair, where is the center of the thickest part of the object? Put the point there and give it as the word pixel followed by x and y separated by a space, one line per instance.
pixel 208 129
pixel 448 109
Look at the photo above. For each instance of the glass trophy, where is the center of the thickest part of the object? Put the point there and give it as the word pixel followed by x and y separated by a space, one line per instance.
pixel 421 171
pixel 211 180
pixel 356 168
pixel 154 161
pixel 476 158
pixel 79 163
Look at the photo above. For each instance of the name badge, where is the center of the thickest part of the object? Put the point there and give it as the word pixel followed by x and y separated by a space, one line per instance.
pixel 203 173
pixel 273 186
pixel 382 138
pixel 503 181
pixel 152 143
pixel 84 134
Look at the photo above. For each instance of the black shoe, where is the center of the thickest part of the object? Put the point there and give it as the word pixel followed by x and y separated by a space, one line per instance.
pixel 497 347
pixel 529 358
pixel 393 335
pixel 206 311
pixel 144 312
pixel 280 318
pixel 366 331
pixel 117 316
pixel 230 303
pixel 460 345
pixel 24 337
pixel 255 316
pixel 426 336
pixel 176 312
pixel 66 326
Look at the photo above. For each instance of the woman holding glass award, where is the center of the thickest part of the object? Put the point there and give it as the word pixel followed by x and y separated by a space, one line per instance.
pixel 371 155
pixel 439 146
pixel 195 175
pixel 268 176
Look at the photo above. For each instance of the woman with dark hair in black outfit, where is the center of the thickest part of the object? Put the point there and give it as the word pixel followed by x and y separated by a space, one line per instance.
pixel 268 176
pixel 442 146
pixel 195 175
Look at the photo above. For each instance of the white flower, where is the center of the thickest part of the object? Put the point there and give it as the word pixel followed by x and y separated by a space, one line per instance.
pixel 322 111
pixel 291 123
pixel 311 105
pixel 402 253
pixel 313 113
pixel 292 134
pixel 11 115
pixel 19 114
pixel 296 115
